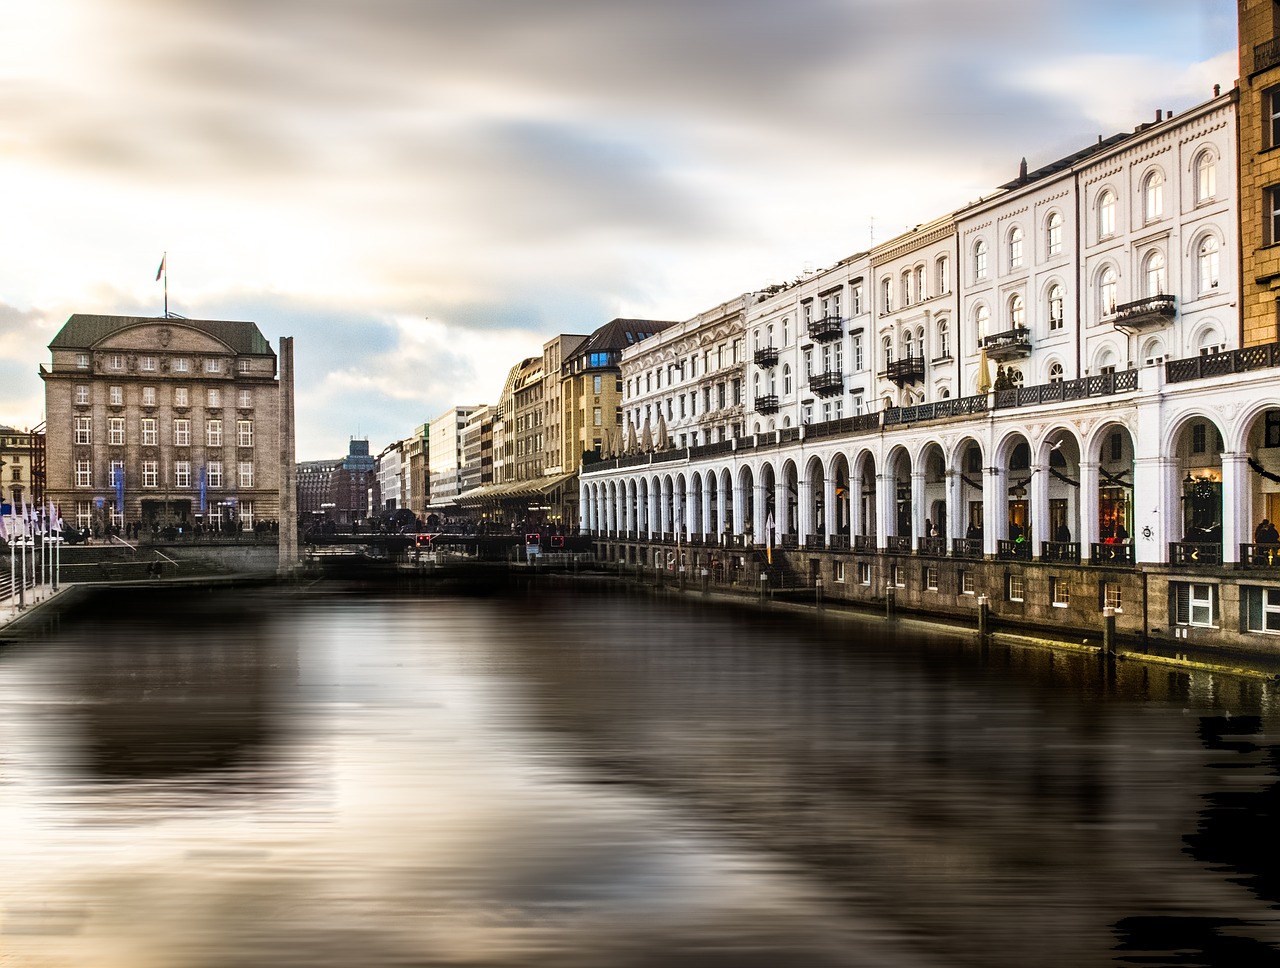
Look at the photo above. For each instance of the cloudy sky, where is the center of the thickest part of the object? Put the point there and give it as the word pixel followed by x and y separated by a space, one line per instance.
pixel 423 191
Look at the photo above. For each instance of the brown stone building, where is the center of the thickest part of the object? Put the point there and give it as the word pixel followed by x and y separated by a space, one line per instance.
pixel 162 421
pixel 1259 120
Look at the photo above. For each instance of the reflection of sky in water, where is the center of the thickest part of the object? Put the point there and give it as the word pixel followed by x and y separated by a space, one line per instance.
pixel 592 781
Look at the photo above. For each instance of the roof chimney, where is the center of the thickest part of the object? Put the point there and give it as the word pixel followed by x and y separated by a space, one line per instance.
pixel 1159 116
pixel 1217 90
pixel 1022 172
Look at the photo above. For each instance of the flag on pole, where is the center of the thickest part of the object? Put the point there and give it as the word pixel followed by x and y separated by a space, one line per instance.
pixel 160 271
pixel 769 527
pixel 118 474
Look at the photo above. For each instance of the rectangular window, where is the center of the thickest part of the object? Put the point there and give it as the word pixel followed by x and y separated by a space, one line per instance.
pixel 1271 117
pixel 1194 604
pixel 180 397
pixel 244 399
pixel 82 394
pixel 115 431
pixel 1061 592
pixel 855 299
pixel 1262 609
pixel 148 396
pixel 246 474
pixel 857 353
pixel 213 397
pixel 1111 595
pixel 1017 588
pixel 213 433
pixel 242 366
pixel 180 365
pixel 82 361
pixel 899 576
pixel 595 416
pixel 84 430
pixel 182 432
pixel 117 396
pixel 148 363
pixel 864 573
pixel 150 473
pixel 837 572
pixel 115 361
pixel 596 384
pixel 83 478
pixel 116 474
pixel 931 578
pixel 148 431
pixel 83 514
pixel 213 365
pixel 966 583
pixel 1271 215
pixel 213 476
pixel 1198 438
pixel 182 473
pixel 244 433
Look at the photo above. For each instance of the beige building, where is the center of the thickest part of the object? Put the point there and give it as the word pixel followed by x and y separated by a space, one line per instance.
pixel 558 456
pixel 162 421
pixel 21 463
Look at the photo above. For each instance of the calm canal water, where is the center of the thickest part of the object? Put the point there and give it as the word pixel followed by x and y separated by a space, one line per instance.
pixel 579 779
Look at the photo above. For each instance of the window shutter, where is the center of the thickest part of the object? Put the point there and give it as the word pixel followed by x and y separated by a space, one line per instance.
pixel 1182 604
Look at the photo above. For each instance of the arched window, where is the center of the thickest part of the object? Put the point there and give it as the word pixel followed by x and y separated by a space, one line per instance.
pixel 906 288
pixel 908 345
pixel 886 294
pixel 1206 177
pixel 1153 196
pixel 1053 242
pixel 773 383
pixel 1153 352
pixel 1207 263
pixel 944 274
pixel 769 335
pixel 944 394
pixel 755 385
pixel 1210 342
pixel 1055 373
pixel 786 378
pixel 922 293
pixel 786 331
pixel 1057 307
pixel 944 340
pixel 887 348
pixel 1153 273
pixel 982 322
pixel 1017 312
pixel 1106 215
pixel 1015 376
pixel 980 259
pixel 1015 248
pixel 1107 292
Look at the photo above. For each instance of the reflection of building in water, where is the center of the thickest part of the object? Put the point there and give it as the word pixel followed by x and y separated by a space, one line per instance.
pixel 162 705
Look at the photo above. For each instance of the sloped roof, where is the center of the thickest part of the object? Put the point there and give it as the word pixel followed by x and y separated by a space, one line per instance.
pixel 618 334
pixel 84 330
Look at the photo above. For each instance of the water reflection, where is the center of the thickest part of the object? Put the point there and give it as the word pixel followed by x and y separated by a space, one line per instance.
pixel 581 780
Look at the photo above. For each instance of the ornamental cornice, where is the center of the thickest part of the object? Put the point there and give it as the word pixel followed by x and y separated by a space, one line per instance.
pixel 1202 132
pixel 969 230
pixel 1102 174
pixel 1016 212
pixel 908 244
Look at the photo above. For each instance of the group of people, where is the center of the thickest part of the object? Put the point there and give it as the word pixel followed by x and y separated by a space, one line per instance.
pixel 1266 533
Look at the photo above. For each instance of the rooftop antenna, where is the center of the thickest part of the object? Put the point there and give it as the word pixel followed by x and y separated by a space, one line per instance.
pixel 873 231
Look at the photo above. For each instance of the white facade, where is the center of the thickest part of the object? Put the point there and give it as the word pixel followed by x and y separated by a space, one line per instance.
pixel 689 376
pixel 389 471
pixel 444 454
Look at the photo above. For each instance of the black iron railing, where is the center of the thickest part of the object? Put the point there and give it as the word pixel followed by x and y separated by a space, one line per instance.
pixel 966 548
pixel 1067 552
pixel 826 383
pixel 767 356
pixel 826 328
pixel 767 403
pixel 1013 550
pixel 1221 364
pixel 1194 553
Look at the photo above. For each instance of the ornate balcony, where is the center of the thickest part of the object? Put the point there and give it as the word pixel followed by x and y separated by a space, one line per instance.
pixel 1012 344
pixel 768 356
pixel 1194 553
pixel 1145 315
pixel 828 383
pixel 910 370
pixel 1107 553
pixel 827 328
pixel 767 404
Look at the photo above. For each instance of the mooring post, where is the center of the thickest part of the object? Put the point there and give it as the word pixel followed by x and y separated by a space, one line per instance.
pixel 817 592
pixel 704 581
pixel 984 612
pixel 764 585
pixel 1109 630
pixel 890 600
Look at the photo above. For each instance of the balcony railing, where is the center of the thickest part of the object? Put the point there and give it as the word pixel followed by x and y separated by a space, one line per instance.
pixel 864 542
pixel 1067 552
pixel 966 548
pixel 839 542
pixel 932 547
pixel 1013 550
pixel 1194 553
pixel 815 542
pixel 910 370
pixel 826 328
pixel 768 356
pixel 1012 344
pixel 938 410
pixel 898 544
pixel 1260 556
pixel 1266 54
pixel 1143 315
pixel 1221 364
pixel 1106 553
pixel 1098 385
pixel 767 404
pixel 789 541
pixel 846 425
pixel 828 383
